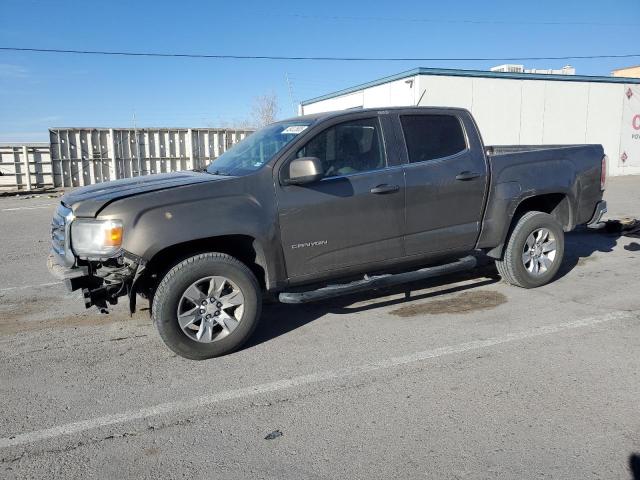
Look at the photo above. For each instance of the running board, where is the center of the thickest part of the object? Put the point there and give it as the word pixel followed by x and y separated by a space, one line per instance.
pixel 378 281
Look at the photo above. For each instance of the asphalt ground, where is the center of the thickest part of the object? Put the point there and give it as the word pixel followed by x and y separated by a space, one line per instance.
pixel 460 377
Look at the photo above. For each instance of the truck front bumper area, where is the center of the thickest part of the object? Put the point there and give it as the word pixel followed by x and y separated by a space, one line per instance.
pixel 100 287
pixel 62 272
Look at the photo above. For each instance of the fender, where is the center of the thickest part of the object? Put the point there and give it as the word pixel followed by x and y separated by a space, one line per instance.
pixel 514 183
pixel 234 206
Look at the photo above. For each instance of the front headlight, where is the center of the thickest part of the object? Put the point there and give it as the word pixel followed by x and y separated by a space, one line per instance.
pixel 96 239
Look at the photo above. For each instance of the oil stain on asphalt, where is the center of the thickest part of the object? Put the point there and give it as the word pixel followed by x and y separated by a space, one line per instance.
pixel 463 303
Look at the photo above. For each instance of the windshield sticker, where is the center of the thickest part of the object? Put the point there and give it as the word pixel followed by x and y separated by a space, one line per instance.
pixel 294 129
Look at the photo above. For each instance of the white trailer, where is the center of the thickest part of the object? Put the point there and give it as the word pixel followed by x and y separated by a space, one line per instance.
pixel 83 156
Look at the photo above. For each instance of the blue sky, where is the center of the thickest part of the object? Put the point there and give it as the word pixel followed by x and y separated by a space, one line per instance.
pixel 38 91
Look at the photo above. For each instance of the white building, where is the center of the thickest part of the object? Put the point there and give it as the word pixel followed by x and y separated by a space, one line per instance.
pixel 513 68
pixel 516 108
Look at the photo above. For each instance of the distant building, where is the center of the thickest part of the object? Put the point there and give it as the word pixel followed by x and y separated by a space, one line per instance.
pixel 516 107
pixel 513 68
pixel 508 68
pixel 629 72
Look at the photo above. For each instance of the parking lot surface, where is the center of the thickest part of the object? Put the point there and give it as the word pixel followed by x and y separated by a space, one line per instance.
pixel 459 377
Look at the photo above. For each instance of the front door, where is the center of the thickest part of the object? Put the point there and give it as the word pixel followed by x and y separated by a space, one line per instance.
pixel 354 215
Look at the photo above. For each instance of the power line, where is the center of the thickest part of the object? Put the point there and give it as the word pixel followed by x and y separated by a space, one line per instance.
pixel 322 58
pixel 456 21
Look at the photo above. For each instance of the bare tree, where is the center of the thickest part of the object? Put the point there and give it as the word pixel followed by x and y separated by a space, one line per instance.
pixel 265 109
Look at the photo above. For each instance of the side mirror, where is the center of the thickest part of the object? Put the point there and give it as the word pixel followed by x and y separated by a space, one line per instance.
pixel 304 170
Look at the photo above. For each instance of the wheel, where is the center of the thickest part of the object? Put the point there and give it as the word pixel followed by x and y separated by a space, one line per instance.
pixel 207 306
pixel 534 251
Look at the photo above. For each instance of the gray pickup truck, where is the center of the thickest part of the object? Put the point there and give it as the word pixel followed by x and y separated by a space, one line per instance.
pixel 318 206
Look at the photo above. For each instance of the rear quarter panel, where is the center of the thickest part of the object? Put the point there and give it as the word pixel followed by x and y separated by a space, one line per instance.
pixel 573 171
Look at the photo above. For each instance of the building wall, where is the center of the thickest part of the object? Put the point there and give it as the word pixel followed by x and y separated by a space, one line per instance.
pixel 629 72
pixel 516 111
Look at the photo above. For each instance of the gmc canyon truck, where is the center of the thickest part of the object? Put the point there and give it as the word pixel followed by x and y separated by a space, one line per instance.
pixel 318 206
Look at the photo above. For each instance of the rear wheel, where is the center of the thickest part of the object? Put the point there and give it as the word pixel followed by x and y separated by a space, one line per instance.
pixel 534 251
pixel 207 306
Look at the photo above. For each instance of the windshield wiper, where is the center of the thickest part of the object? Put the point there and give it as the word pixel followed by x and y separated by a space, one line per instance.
pixel 206 170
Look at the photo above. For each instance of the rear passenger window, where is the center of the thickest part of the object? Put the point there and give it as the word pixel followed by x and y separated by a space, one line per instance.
pixel 432 136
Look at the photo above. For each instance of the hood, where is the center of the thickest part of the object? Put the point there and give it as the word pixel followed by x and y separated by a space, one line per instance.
pixel 88 201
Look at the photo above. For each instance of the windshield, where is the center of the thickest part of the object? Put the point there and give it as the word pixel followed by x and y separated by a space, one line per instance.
pixel 257 149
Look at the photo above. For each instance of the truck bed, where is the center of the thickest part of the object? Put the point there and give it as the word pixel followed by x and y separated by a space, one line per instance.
pixel 493 150
pixel 521 171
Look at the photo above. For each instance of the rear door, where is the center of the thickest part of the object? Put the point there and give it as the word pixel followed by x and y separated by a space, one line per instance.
pixel 446 180
pixel 354 215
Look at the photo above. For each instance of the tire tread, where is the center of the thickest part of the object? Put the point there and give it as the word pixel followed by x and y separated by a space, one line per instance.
pixel 506 265
pixel 167 280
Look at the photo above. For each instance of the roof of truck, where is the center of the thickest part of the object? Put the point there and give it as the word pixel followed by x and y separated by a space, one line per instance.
pixel 452 72
pixel 338 113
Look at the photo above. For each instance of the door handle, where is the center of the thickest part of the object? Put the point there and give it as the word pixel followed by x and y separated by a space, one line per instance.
pixel 464 176
pixel 384 188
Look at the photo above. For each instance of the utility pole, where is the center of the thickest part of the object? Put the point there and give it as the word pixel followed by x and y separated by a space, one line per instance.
pixel 137 141
pixel 293 103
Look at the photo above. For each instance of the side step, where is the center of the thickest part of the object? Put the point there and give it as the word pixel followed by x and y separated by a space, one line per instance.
pixel 378 281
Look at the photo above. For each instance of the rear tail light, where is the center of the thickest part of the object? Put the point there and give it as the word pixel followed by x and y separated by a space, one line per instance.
pixel 603 172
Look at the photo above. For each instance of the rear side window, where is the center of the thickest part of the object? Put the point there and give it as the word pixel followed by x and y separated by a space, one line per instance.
pixel 432 136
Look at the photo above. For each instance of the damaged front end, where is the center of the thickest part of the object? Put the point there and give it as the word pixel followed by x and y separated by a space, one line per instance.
pixel 106 282
pixel 100 268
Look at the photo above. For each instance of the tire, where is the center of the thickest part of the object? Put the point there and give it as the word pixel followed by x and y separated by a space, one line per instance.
pixel 513 267
pixel 173 297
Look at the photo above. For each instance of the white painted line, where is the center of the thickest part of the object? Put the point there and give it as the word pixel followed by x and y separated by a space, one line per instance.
pixel 14 209
pixel 23 287
pixel 208 400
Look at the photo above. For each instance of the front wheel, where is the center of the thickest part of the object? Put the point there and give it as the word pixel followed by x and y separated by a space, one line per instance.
pixel 207 306
pixel 534 251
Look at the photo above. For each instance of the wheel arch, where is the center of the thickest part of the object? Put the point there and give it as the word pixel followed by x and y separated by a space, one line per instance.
pixel 556 204
pixel 245 248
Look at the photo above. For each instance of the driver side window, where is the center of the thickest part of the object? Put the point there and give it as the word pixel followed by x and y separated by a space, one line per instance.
pixel 347 148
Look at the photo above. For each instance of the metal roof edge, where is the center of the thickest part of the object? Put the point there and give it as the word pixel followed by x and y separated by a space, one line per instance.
pixel 24 144
pixel 362 86
pixel 452 72
pixel 526 76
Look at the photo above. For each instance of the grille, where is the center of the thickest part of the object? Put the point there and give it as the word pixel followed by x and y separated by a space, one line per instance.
pixel 60 235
